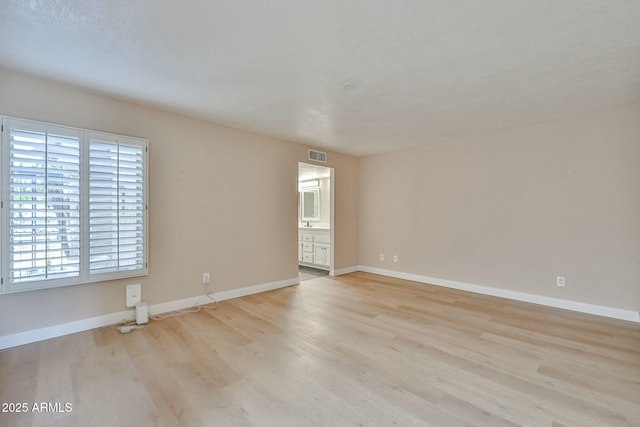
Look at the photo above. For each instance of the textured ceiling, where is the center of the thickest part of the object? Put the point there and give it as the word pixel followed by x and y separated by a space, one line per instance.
pixel 357 76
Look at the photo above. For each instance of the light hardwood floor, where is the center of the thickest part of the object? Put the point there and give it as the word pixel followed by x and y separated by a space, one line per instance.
pixel 355 350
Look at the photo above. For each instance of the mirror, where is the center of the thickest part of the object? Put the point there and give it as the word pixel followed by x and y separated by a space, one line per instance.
pixel 309 200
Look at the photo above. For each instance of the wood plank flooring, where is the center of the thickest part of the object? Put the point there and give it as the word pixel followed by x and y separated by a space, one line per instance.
pixel 354 350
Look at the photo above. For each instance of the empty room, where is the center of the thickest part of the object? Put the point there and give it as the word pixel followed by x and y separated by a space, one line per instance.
pixel 320 213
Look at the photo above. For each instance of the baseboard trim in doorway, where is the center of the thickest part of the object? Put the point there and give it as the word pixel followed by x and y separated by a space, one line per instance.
pixel 599 310
pixel 41 334
pixel 346 270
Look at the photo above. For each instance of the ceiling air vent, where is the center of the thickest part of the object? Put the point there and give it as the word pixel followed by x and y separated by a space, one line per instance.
pixel 317 156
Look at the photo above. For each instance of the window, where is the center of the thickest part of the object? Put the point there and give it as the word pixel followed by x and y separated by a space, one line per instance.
pixel 116 205
pixel 74 206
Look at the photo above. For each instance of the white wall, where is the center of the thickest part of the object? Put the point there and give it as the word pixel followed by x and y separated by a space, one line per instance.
pixel 205 182
pixel 515 209
pixel 325 200
pixel 510 210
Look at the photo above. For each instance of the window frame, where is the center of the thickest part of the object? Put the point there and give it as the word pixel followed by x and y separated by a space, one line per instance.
pixel 85 136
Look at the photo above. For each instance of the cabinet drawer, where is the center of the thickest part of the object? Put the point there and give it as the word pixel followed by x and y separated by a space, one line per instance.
pixel 307 237
pixel 307 258
pixel 322 238
pixel 307 247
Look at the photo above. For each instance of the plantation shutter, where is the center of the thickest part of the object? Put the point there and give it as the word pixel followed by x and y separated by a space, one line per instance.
pixel 73 206
pixel 116 204
pixel 44 202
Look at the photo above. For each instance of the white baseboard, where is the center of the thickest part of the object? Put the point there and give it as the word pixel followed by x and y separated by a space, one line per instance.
pixel 34 335
pixel 345 270
pixel 255 289
pixel 600 310
pixel 54 331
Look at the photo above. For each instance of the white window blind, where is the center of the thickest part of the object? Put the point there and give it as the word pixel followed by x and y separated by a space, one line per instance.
pixel 44 205
pixel 116 206
pixel 74 206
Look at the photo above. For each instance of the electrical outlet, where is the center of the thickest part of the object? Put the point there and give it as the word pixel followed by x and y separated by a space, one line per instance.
pixel 134 294
pixel 206 278
pixel 381 257
pixel 560 281
pixel 395 258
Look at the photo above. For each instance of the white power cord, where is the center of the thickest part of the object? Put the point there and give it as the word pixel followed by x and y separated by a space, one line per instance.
pixel 126 329
pixel 196 308
pixel 130 326
pixel 213 299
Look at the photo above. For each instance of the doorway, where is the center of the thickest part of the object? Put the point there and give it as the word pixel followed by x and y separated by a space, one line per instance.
pixel 315 221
